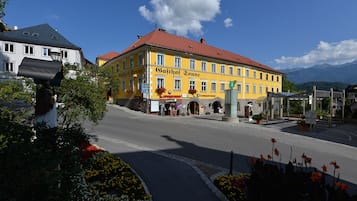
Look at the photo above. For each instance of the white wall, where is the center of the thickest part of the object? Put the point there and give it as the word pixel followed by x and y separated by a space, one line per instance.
pixel 73 56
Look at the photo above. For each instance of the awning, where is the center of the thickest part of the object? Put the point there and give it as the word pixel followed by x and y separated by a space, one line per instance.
pixel 39 69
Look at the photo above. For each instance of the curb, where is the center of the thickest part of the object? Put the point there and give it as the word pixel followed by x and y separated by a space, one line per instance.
pixel 206 180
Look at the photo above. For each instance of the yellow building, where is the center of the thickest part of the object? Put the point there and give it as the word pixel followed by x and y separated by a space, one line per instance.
pixel 162 72
pixel 102 59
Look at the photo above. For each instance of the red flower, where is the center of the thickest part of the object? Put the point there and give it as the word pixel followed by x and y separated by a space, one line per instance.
pixel 308 160
pixel 342 186
pixel 324 168
pixel 276 152
pixel 262 157
pixel 334 164
pixel 88 150
pixel 192 91
pixel 303 156
pixel 273 140
pixel 160 90
pixel 316 176
pixel 269 157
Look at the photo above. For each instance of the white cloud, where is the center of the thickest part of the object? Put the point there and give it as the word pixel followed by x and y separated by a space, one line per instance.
pixel 181 16
pixel 228 22
pixel 332 53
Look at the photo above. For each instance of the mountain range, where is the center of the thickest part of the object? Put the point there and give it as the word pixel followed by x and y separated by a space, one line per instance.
pixel 344 73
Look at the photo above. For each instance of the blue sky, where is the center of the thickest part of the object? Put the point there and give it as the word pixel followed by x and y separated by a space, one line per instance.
pixel 277 33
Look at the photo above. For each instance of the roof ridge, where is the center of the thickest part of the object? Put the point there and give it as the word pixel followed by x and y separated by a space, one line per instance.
pixel 161 38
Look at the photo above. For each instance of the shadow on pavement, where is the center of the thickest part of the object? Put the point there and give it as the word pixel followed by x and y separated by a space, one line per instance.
pixel 175 180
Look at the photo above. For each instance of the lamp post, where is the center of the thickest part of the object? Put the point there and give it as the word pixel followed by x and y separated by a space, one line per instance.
pixel 46 74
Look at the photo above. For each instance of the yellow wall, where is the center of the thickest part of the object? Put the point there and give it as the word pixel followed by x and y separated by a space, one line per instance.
pixel 169 72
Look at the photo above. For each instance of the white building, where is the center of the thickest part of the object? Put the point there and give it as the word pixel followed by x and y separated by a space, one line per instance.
pixel 35 42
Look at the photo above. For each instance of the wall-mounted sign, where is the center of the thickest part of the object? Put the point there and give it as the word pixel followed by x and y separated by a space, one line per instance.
pixel 177 72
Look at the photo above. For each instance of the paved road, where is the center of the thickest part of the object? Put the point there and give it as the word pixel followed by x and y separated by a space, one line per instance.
pixel 208 141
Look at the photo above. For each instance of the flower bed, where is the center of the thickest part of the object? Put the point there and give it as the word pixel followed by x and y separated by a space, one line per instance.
pixel 108 175
pixel 270 180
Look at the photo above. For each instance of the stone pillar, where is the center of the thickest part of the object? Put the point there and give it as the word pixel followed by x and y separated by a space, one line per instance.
pixel 230 105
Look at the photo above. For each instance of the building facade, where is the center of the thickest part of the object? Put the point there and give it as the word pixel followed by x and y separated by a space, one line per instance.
pixel 164 73
pixel 34 42
pixel 102 59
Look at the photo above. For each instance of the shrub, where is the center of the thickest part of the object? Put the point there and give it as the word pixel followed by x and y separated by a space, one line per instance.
pixel 109 175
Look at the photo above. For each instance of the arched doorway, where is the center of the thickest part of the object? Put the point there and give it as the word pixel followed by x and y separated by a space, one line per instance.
pixel 216 106
pixel 193 108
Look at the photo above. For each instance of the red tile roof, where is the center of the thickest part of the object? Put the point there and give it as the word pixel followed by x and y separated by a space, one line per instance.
pixel 160 38
pixel 108 56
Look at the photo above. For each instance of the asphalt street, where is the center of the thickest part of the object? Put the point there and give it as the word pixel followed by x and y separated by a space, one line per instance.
pixel 148 142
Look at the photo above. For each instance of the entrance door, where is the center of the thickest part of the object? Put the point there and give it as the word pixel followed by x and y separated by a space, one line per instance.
pixel 193 108
pixel 216 106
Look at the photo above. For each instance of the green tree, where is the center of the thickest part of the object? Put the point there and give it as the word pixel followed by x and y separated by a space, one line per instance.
pixel 2 14
pixel 16 99
pixel 82 97
pixel 287 85
pixel 109 79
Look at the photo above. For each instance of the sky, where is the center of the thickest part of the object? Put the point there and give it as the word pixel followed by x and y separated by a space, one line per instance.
pixel 278 33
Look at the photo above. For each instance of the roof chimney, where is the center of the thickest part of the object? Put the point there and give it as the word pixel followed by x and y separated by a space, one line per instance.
pixel 203 41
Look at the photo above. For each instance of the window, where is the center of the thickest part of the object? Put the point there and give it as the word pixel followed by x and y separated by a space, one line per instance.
pixel 9 66
pixel 272 89
pixel 222 86
pixel 231 70
pixel 266 89
pixel 213 86
pixel 204 86
pixel 277 90
pixel 223 69
pixel 28 49
pixel 277 78
pixel 177 84
pixel 131 62
pixel 192 84
pixel 64 54
pixel 261 76
pixel 260 90
pixel 267 76
pixel 124 65
pixel 239 88
pixel 46 51
pixel 247 73
pixel 177 62
pixel 141 60
pixel 123 85
pixel 239 73
pixel 203 66
pixel 255 74
pixel 247 88
pixel 160 59
pixel 272 77
pixel 131 84
pixel 9 47
pixel 192 64
pixel 213 66
pixel 117 67
pixel 254 89
pixel 160 82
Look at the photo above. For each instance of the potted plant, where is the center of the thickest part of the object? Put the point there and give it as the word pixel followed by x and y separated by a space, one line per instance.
pixel 129 91
pixel 258 118
pixel 192 91
pixel 160 90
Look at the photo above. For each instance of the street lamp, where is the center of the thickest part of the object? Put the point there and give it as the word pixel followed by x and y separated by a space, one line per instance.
pixel 46 74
